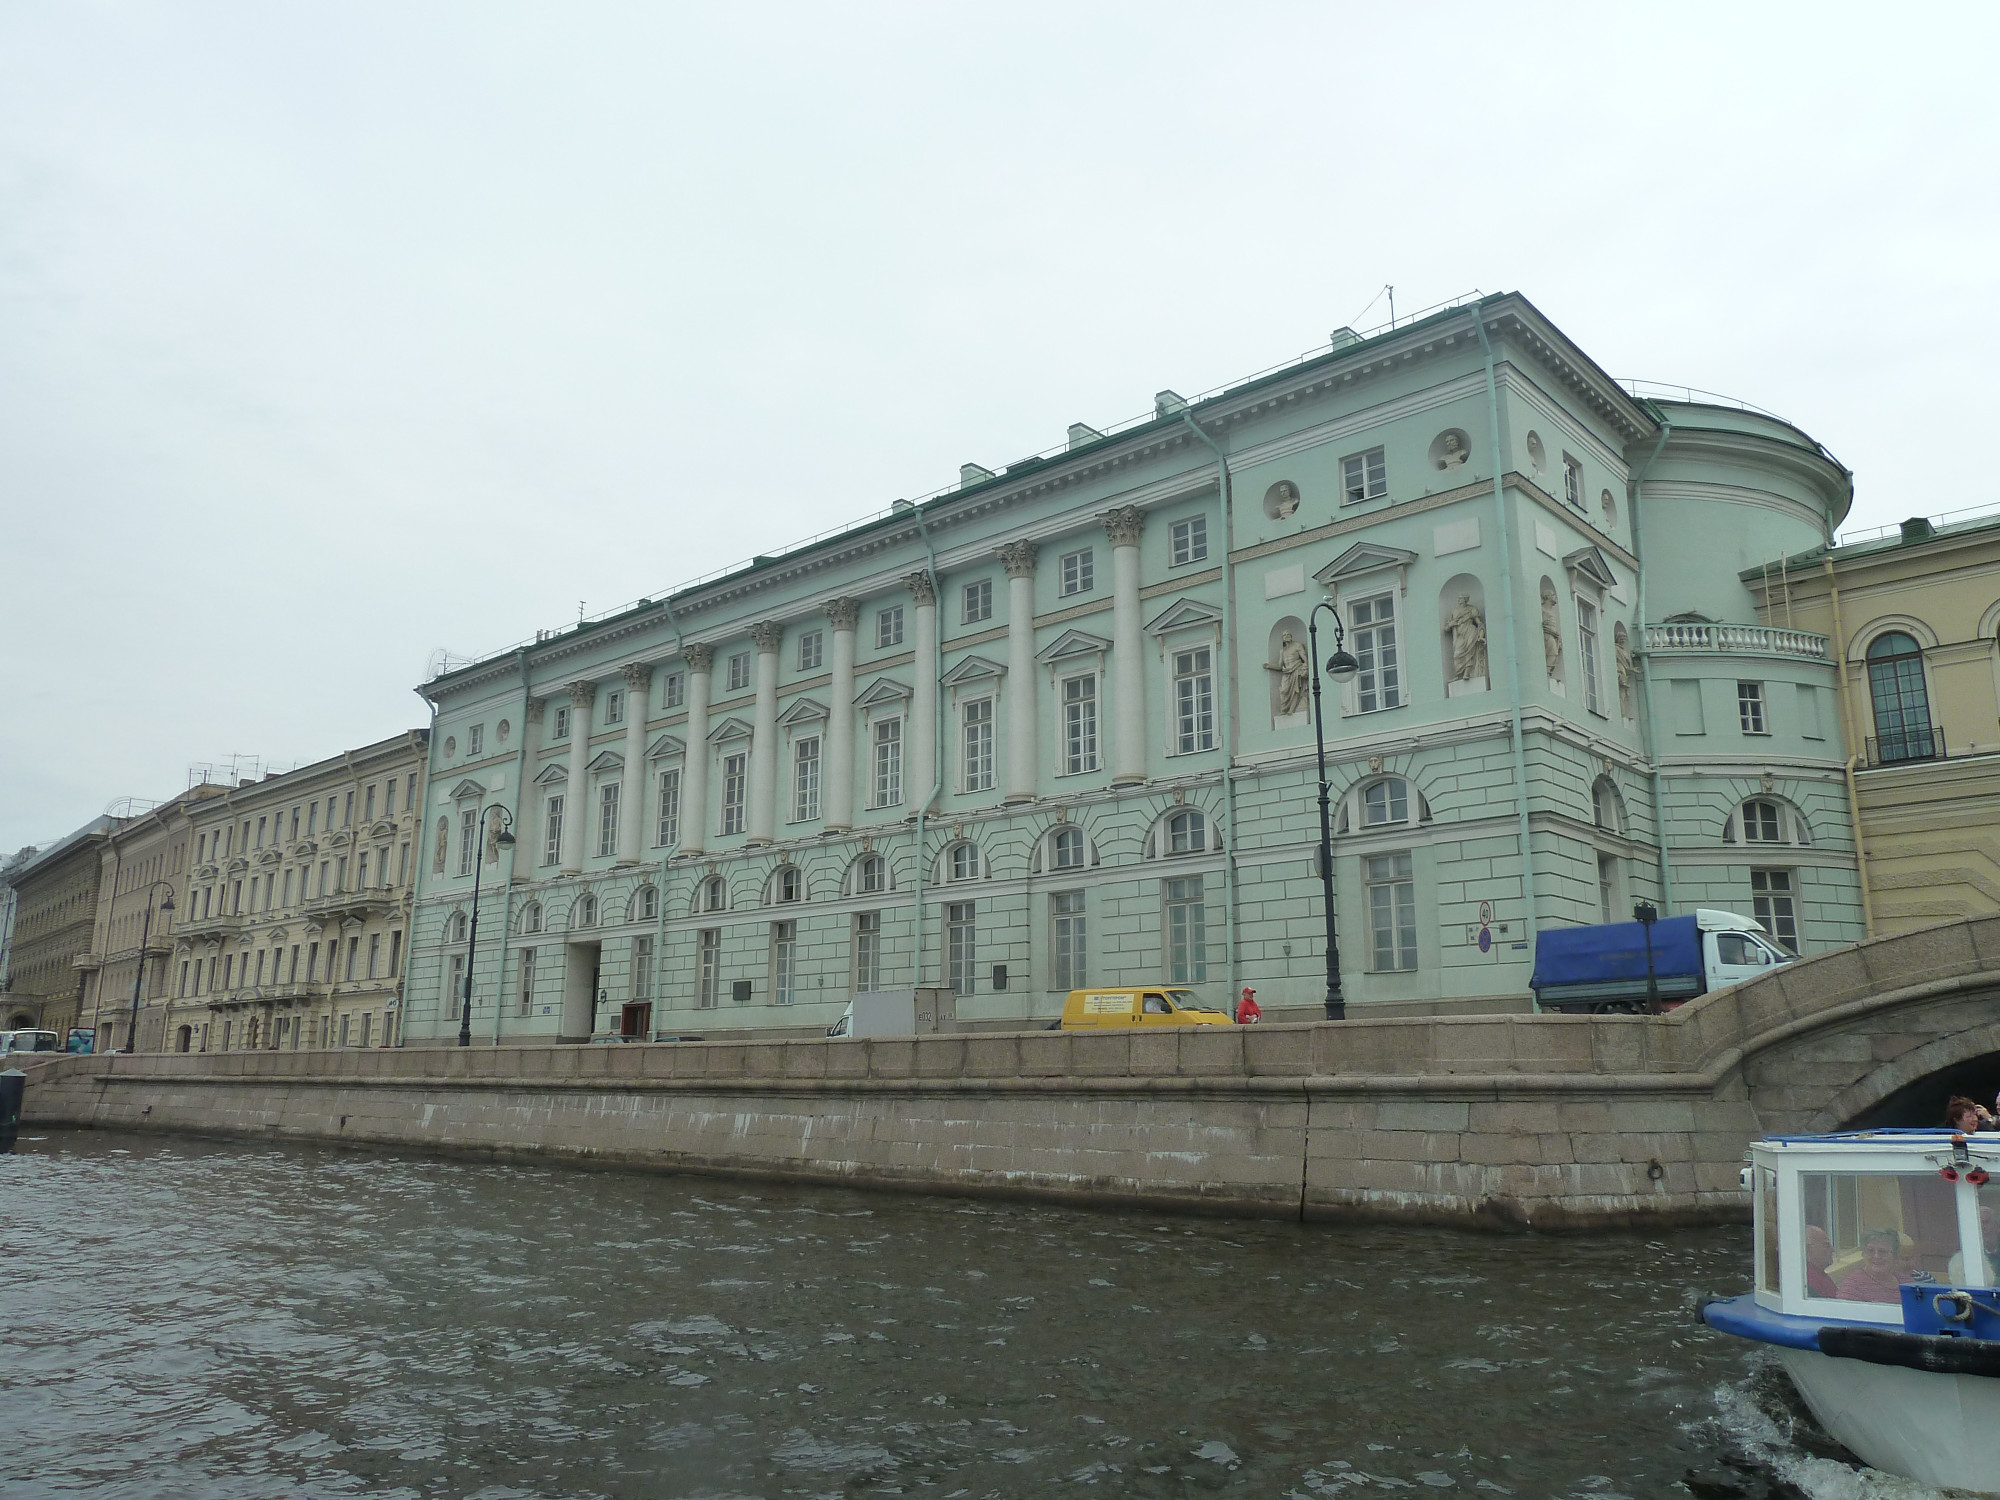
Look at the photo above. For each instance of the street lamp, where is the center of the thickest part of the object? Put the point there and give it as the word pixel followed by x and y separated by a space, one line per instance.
pixel 504 839
pixel 1646 914
pixel 145 937
pixel 1341 668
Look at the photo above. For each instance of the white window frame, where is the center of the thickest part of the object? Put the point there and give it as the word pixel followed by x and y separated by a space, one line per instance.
pixel 888 627
pixel 669 824
pixel 708 968
pixel 784 962
pixel 561 729
pixel 1367 800
pixel 1589 653
pixel 527 981
pixel 1573 489
pixel 1081 725
pixel 885 762
pixel 806 768
pixel 642 967
pixel 1187 541
pixel 1057 839
pixel 673 690
pixel 468 846
pixel 867 950
pixel 977 762
pixel 735 783
pixel 1076 572
pixel 1752 710
pixel 475 741
pixel 608 796
pixel 1388 881
pixel 962 945
pixel 1370 467
pixel 1192 701
pixel 737 679
pixel 1069 940
pixel 614 706
pixel 976 602
pixel 812 650
pixel 1776 906
pixel 1184 929
pixel 1364 642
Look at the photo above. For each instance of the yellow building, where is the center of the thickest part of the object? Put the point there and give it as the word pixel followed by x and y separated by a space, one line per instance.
pixel 1914 619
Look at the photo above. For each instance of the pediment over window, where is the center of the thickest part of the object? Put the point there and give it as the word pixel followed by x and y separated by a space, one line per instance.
pixel 1185 614
pixel 973 669
pixel 382 828
pixel 881 693
pixel 610 760
pixel 269 856
pixel 1072 644
pixel 1588 562
pixel 553 774
pixel 1368 557
pixel 805 711
pixel 729 729
pixel 301 848
pixel 341 839
pixel 665 745
pixel 238 865
pixel 468 790
pixel 210 872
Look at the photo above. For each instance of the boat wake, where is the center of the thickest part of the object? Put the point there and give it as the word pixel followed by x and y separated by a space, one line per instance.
pixel 1771 1449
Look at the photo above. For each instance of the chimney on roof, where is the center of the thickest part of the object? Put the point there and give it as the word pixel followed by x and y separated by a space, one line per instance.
pixel 1167 403
pixel 973 474
pixel 1080 434
pixel 1917 528
pixel 243 781
pixel 1343 337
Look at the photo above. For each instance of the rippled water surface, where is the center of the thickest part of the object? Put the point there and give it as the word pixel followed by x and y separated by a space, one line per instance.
pixel 207 1319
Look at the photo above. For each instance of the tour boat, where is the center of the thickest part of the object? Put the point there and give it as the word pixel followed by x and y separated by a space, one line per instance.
pixel 1875 1260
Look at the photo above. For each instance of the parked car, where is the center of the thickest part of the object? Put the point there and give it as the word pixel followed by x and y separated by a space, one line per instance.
pixel 1144 1005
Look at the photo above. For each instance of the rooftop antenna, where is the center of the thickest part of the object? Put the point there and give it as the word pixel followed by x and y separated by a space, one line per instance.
pixel 579 611
pixel 1392 305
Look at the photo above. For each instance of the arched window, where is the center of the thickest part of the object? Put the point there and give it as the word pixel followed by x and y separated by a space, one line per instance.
pixel 713 896
pixel 1186 833
pixel 531 917
pixel 1766 820
pixel 645 904
pixel 1066 849
pixel 1606 808
pixel 1385 801
pixel 870 875
pixel 455 928
pixel 786 885
pixel 962 863
pixel 1903 729
pixel 585 912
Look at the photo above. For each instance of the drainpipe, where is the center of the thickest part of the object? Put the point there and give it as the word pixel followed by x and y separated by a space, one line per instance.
pixel 937 733
pixel 1227 663
pixel 1847 726
pixel 1652 720
pixel 1507 615
pixel 520 817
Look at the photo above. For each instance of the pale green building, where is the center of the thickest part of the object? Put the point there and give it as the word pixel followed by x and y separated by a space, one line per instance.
pixel 1043 729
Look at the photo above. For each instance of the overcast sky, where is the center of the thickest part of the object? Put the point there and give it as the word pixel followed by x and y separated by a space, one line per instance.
pixel 334 334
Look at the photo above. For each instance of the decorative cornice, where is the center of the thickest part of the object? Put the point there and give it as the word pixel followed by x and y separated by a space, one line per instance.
pixel 844 613
pixel 768 636
pixel 1018 558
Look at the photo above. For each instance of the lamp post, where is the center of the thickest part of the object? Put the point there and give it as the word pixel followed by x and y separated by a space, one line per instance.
pixel 139 972
pixel 1646 914
pixel 1341 668
pixel 504 839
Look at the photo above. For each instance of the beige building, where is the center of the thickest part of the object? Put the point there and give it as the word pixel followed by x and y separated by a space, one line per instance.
pixel 140 864
pixel 51 956
pixel 294 923
pixel 1914 621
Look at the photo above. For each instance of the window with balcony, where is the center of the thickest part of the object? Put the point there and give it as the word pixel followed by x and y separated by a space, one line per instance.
pixel 1901 701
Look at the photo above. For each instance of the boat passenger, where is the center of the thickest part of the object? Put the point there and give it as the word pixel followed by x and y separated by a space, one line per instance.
pixel 1963 1114
pixel 1874 1280
pixel 1989 1237
pixel 1819 1255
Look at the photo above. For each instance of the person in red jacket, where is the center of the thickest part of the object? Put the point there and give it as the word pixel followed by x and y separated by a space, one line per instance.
pixel 1247 1010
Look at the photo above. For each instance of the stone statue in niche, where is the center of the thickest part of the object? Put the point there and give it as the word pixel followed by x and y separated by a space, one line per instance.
pixel 1628 669
pixel 1284 500
pixel 1468 640
pixel 1294 669
pixel 1451 452
pixel 1552 631
pixel 443 838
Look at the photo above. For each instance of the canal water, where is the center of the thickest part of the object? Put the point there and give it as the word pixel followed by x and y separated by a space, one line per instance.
pixel 209 1319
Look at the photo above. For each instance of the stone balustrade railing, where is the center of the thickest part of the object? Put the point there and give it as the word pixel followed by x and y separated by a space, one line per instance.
pixel 1754 640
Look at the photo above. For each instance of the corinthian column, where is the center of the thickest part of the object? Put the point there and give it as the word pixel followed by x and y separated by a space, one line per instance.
pixel 1018 558
pixel 632 800
pixel 840 716
pixel 764 736
pixel 694 771
pixel 923 679
pixel 528 831
pixel 577 800
pixel 1128 660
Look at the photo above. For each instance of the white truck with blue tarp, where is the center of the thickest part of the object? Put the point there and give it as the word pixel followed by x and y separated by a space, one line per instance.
pixel 1632 967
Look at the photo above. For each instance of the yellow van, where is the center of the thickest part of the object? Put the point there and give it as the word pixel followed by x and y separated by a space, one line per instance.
pixel 1147 1005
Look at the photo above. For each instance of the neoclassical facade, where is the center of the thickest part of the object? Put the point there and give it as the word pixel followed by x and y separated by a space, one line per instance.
pixel 292 926
pixel 52 955
pixel 1052 727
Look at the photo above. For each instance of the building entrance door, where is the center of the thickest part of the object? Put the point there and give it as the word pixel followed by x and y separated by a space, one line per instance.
pixel 579 1012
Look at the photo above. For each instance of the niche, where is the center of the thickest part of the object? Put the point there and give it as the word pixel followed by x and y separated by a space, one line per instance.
pixel 1450 449
pixel 1281 500
pixel 1462 634
pixel 1289 667
pixel 1538 456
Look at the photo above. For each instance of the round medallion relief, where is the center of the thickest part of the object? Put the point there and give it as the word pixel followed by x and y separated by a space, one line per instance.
pixel 450 745
pixel 502 730
pixel 1537 455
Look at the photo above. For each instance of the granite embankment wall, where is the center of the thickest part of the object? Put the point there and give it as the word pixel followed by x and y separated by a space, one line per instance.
pixel 1549 1121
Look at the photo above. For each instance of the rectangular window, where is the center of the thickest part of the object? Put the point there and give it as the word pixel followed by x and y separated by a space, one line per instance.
pixel 868 951
pixel 1078 572
pixel 1607 888
pixel 368 799
pixel 260 831
pixel 1573 481
pixel 410 792
pixel 733 780
pixel 962 936
pixel 292 964
pixel 739 672
pixel 374 952
pixel 1079 696
pixel 353 957
pixel 340 872
pixel 347 814
pixel 527 981
pixel 805 779
pixel 1392 912
pixel 475 743
pixel 810 651
pixel 468 842
pixel 346 1028
pixel 1187 931
pixel 260 967
pixel 552 824
pixel 784 952
pixel 673 690
pixel 1194 701
pixel 388 804
pixel 609 819
pixel 1771 904
pixel 288 888
pixel 367 1024
pixel 614 708
pixel 888 782
pixel 454 995
pixel 1364 476
pixel 670 808
pixel 562 724
pixel 642 968
pixel 1379 683
pixel 395 954
pixel 709 989
pixel 889 627
pixel 1068 946
pixel 1750 707
pixel 977 744
pixel 402 863
pixel 312 962
pixel 977 599
pixel 182 995
pixel 1586 653
pixel 312 819
pixel 362 884
pixel 1189 540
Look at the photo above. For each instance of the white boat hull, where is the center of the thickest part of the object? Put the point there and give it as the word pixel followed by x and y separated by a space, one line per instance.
pixel 1940 1429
